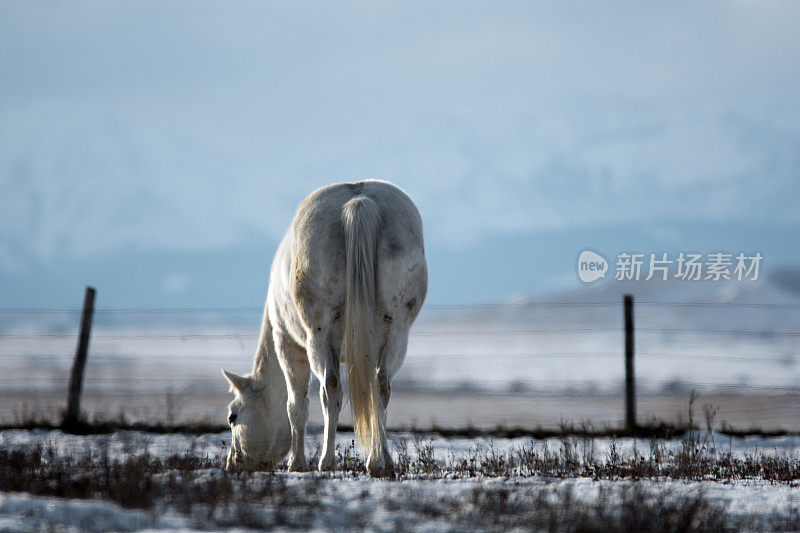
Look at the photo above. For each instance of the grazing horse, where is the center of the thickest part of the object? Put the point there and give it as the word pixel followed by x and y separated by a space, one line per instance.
pixel 347 282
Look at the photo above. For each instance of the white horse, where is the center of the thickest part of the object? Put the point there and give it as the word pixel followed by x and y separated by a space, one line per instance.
pixel 347 282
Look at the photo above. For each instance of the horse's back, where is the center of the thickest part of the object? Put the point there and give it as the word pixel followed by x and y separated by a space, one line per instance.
pixel 318 221
pixel 316 261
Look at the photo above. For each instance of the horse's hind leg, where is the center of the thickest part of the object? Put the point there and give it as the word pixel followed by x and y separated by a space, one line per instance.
pixel 392 355
pixel 325 363
pixel 298 373
pixel 385 388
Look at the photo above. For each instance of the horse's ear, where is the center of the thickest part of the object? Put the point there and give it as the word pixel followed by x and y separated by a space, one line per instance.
pixel 238 383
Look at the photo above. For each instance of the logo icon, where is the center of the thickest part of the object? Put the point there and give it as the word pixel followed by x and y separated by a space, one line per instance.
pixel 591 266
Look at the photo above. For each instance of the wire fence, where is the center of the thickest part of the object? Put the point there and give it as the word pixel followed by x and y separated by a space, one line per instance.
pixel 557 348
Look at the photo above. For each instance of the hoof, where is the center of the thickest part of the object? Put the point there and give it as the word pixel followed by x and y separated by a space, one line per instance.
pixel 387 460
pixel 235 464
pixel 380 468
pixel 297 465
pixel 327 464
pixel 239 464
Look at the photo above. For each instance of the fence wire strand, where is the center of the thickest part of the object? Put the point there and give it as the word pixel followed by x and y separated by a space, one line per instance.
pixel 241 338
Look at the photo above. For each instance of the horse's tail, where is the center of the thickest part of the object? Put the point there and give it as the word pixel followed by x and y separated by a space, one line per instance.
pixel 362 220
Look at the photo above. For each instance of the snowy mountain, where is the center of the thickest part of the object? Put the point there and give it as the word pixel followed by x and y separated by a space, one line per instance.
pixel 161 158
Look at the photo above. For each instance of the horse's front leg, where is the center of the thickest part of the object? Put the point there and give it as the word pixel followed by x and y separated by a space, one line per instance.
pixel 326 367
pixel 230 464
pixel 331 395
pixel 297 373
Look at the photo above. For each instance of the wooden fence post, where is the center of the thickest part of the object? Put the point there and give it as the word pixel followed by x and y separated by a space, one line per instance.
pixel 73 413
pixel 630 381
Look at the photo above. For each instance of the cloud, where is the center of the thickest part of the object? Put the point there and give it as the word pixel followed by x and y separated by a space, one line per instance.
pixel 100 177
pixel 204 127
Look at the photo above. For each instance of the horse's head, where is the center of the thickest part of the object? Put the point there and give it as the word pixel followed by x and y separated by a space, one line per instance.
pixel 260 432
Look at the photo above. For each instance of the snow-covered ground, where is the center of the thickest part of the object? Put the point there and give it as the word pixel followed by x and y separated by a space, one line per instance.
pixel 384 504
pixel 758 501
pixel 123 442
pixel 477 352
pixel 716 335
pixel 721 338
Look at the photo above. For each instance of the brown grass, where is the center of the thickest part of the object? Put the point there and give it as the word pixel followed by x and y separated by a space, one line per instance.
pixel 197 487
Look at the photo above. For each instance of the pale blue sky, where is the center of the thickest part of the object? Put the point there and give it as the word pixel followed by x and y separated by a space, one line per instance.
pixel 158 149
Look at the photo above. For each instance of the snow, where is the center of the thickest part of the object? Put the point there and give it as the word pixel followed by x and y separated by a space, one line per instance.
pixel 439 358
pixel 343 497
pixel 216 444
pixel 23 512
pixel 735 343
pixel 721 336
pixel 20 512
